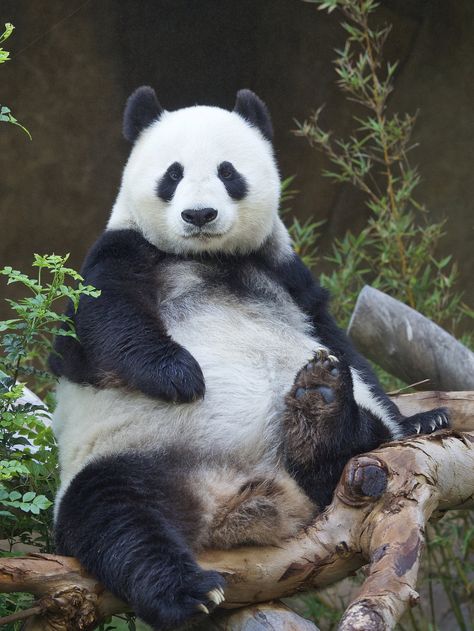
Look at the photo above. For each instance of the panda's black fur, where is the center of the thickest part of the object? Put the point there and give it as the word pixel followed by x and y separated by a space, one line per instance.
pixel 135 514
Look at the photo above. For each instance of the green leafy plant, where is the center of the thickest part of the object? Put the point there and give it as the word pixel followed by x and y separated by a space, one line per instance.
pixel 28 455
pixel 304 236
pixel 395 252
pixel 6 115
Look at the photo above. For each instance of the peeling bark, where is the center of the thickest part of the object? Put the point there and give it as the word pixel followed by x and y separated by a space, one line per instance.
pixel 377 518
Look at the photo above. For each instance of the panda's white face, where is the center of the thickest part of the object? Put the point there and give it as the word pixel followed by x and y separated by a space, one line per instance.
pixel 200 179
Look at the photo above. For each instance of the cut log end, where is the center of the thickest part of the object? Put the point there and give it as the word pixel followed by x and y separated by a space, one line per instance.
pixel 364 480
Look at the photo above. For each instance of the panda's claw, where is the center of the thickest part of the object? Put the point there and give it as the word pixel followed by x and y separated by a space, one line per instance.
pixel 427 422
pixel 202 607
pixel 217 596
pixel 442 420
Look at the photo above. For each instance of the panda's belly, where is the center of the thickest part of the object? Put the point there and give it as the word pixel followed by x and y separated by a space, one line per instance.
pixel 249 355
pixel 249 360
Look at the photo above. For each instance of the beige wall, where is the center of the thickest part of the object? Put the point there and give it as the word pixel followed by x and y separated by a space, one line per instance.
pixel 70 75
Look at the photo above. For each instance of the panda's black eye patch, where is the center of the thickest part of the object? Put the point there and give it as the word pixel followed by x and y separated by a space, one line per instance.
pixel 168 183
pixel 234 182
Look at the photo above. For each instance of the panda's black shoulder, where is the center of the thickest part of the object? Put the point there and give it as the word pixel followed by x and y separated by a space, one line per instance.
pixel 119 262
pixel 122 248
pixel 298 280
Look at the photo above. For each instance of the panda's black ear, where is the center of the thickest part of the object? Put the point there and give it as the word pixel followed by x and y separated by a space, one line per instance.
pixel 141 110
pixel 254 110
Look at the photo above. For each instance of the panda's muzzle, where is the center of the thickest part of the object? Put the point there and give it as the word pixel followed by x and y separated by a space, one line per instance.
pixel 199 216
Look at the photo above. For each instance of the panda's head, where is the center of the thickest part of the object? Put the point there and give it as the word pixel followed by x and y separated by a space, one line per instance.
pixel 199 179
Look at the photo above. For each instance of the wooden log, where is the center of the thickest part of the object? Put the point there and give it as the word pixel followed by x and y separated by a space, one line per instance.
pixel 408 345
pixel 272 616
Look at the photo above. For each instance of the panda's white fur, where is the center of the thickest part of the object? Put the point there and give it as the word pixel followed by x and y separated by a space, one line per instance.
pixel 200 138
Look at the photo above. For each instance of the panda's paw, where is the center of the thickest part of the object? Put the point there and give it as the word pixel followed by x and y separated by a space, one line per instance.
pixel 426 422
pixel 323 385
pixel 177 378
pixel 214 598
pixel 321 414
pixel 198 594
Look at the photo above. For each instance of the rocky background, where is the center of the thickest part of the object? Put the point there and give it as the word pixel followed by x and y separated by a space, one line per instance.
pixel 74 64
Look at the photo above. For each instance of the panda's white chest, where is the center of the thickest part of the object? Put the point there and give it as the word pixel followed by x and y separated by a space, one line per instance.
pixel 249 346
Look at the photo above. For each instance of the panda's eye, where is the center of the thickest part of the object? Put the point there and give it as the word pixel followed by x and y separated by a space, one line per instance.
pixel 234 182
pixel 168 183
pixel 226 170
pixel 175 172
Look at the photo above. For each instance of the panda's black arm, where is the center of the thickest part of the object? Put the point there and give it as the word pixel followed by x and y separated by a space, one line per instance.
pixel 121 337
pixel 314 301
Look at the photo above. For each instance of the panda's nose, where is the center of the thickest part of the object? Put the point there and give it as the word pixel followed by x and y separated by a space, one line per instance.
pixel 199 216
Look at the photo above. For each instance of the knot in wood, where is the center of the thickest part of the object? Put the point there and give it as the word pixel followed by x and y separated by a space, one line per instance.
pixel 365 480
pixel 73 608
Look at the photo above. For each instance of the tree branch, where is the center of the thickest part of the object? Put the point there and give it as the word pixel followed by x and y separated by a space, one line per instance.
pixel 407 344
pixel 378 516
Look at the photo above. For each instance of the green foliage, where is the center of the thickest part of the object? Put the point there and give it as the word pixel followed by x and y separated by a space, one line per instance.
pixel 27 337
pixel 6 115
pixel 450 563
pixel 395 252
pixel 304 236
pixel 28 455
pixel 4 54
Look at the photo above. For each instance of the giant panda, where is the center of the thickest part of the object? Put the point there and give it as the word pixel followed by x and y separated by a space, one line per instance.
pixel 208 398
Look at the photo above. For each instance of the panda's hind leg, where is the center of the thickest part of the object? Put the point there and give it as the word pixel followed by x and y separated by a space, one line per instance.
pixel 258 510
pixel 323 426
pixel 130 519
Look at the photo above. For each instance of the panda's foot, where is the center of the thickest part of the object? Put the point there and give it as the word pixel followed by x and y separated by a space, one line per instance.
pixel 321 387
pixel 192 595
pixel 320 410
pixel 426 422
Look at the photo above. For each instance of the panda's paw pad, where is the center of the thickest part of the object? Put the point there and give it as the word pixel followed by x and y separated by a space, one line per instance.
pixel 427 422
pixel 319 382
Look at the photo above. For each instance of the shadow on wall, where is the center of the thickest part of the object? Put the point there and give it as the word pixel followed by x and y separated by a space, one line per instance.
pixel 73 65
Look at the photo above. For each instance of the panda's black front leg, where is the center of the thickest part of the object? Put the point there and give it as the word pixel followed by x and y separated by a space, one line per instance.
pixel 324 427
pixel 129 520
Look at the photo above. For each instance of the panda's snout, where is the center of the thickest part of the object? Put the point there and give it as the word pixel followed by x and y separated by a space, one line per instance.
pixel 199 216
